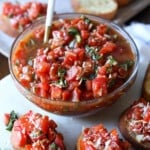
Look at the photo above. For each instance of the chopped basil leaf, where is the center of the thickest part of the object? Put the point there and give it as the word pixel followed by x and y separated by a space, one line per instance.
pixel 75 32
pixel 86 20
pixel 93 75
pixel 111 60
pixel 127 64
pixel 30 43
pixel 13 117
pixel 62 83
pixel 61 72
pixel 93 52
pixel 111 82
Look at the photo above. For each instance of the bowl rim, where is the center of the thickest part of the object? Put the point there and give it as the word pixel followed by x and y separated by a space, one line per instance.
pixel 96 18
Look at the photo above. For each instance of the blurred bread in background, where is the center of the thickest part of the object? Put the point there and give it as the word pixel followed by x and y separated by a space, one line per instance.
pixel 103 8
pixel 106 9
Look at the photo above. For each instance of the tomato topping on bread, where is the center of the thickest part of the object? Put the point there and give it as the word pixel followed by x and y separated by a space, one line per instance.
pixel 16 17
pixel 99 138
pixel 35 131
pixel 135 124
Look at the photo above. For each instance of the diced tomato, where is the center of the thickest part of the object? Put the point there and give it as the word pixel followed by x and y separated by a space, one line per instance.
pixel 54 71
pixel 20 54
pixel 6 118
pixel 66 95
pixel 73 84
pixel 42 67
pixel 80 53
pixel 44 124
pixel 59 141
pixel 88 84
pixel 99 86
pixel 56 92
pixel 24 21
pixel 35 10
pixel 70 58
pixel 25 81
pixel 102 29
pixel 18 138
pixel 39 33
pixel 85 34
pixel 147 115
pixel 81 25
pixel 76 95
pixel 84 145
pixel 102 71
pixel 28 147
pixel 51 135
pixel 73 73
pixel 108 47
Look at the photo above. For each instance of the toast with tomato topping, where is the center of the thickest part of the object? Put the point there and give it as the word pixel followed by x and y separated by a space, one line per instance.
pixel 99 138
pixel 104 8
pixel 134 124
pixel 35 131
pixel 15 18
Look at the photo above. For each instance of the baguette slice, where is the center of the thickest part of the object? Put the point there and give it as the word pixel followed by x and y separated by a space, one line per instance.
pixel 106 9
pixel 95 136
pixel 126 131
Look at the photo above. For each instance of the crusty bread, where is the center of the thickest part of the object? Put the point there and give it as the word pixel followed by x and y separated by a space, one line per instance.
pixel 123 2
pixel 104 8
pixel 128 134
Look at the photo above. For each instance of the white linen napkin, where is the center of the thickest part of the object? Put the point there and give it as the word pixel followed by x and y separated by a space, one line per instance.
pixel 141 35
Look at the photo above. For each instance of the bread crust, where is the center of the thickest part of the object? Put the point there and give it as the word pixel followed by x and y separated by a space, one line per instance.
pixel 78 7
pixel 129 135
pixel 123 2
pixel 146 85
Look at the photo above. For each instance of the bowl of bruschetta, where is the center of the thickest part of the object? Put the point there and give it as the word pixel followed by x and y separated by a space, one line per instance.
pixel 86 65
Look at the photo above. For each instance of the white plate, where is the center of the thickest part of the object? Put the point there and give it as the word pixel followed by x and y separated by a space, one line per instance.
pixel 124 14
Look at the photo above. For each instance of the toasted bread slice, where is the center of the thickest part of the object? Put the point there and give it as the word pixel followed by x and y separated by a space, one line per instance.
pixel 104 8
pixel 129 134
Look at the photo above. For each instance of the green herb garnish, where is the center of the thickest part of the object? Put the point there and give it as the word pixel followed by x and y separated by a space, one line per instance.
pixel 111 60
pixel 92 52
pixel 13 118
pixel 75 32
pixel 127 64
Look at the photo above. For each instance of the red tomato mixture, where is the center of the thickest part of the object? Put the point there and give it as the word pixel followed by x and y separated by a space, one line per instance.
pixel 22 15
pixel 32 131
pixel 98 138
pixel 139 120
pixel 81 61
